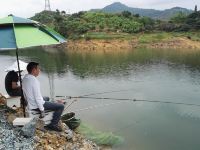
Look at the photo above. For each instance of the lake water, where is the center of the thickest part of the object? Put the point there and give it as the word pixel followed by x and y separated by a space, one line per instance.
pixel 160 75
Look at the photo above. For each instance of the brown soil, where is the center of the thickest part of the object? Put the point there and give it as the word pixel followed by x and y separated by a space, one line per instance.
pixel 177 43
pixel 101 45
pixel 121 45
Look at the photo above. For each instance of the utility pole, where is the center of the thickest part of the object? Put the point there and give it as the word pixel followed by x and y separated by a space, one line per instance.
pixel 47 5
pixel 195 9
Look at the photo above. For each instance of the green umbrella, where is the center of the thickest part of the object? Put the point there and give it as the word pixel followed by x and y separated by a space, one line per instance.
pixel 17 33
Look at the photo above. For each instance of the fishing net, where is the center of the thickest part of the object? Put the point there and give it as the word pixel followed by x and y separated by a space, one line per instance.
pixel 100 138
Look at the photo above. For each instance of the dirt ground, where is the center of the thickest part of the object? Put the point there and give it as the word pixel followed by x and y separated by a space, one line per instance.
pixel 121 45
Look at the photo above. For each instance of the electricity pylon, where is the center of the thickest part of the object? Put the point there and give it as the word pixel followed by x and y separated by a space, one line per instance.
pixel 47 5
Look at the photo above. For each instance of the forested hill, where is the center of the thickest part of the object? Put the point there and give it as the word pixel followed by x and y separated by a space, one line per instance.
pixel 80 24
pixel 118 7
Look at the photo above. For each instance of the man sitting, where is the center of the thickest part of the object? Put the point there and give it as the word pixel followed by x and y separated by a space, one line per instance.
pixel 32 93
pixel 12 88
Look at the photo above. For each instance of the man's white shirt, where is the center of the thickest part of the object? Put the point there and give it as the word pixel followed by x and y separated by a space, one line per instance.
pixel 32 93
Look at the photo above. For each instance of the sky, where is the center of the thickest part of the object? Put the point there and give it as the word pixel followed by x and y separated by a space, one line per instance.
pixel 28 8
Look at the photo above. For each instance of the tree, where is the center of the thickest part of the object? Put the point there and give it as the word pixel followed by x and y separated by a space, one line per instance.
pixel 193 20
pixel 131 26
pixel 57 11
pixel 82 28
pixel 146 21
pixel 126 14
pixel 179 18
pixel 63 13
pixel 79 14
pixel 168 27
pixel 136 15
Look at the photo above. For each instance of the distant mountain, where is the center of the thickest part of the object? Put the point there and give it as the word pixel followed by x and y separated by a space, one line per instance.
pixel 166 14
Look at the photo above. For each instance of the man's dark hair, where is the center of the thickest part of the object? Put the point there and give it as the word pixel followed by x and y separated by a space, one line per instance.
pixel 31 66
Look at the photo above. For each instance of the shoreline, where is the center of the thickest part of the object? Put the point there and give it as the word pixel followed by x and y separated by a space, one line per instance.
pixel 107 45
pixel 35 136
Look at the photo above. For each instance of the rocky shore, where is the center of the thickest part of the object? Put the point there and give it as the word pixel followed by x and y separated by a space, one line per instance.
pixel 10 137
pixel 34 136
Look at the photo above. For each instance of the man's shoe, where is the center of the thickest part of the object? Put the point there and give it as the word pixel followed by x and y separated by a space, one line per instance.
pixel 54 128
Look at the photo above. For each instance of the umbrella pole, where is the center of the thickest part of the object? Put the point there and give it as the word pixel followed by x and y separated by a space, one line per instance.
pixel 20 80
pixel 22 100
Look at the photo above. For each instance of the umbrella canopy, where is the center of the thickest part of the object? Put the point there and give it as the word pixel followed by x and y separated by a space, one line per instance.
pixel 14 66
pixel 16 32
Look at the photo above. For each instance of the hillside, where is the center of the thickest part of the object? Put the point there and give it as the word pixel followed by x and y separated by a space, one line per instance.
pixel 77 24
pixel 118 7
pixel 80 24
pixel 100 30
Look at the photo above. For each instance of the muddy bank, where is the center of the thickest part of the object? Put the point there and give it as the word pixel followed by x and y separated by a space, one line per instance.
pixel 121 44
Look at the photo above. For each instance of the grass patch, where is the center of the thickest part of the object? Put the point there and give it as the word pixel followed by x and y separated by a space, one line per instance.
pixel 153 37
pixel 104 35
pixel 194 36
pixel 143 38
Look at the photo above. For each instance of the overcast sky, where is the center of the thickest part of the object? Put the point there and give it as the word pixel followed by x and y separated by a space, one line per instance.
pixel 27 8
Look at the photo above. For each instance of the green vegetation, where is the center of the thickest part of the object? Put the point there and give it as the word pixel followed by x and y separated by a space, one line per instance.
pixel 154 37
pixel 164 36
pixel 179 18
pixel 193 35
pixel 101 138
pixel 74 25
pixel 100 25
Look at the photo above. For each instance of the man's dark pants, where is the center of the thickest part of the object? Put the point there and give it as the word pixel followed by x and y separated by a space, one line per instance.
pixel 57 108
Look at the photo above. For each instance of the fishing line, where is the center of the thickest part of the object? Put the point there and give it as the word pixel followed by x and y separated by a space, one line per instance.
pixel 106 92
pixel 133 100
pixel 97 106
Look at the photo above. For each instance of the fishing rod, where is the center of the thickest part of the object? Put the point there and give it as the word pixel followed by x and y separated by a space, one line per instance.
pixel 91 107
pixel 107 92
pixel 70 104
pixel 133 100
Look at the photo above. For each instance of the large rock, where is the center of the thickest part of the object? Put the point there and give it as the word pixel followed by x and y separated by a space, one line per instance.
pixel 40 124
pixel 11 118
pixel 29 129
pixel 69 134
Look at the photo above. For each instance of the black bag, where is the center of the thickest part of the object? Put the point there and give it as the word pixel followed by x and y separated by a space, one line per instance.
pixel 70 120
